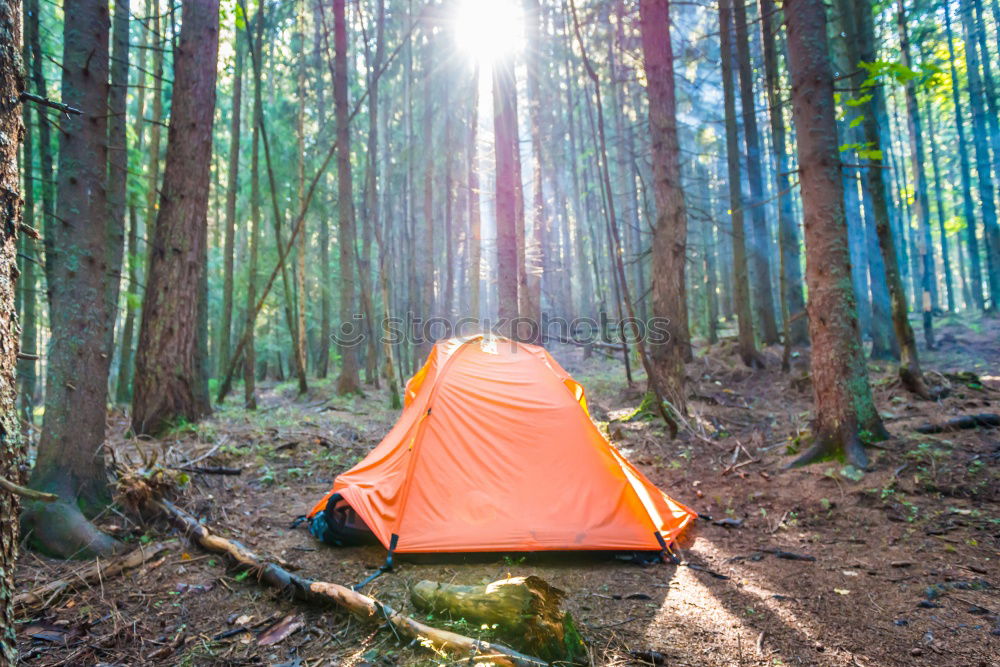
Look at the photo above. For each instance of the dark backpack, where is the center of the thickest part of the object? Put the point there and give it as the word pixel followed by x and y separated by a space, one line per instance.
pixel 339 525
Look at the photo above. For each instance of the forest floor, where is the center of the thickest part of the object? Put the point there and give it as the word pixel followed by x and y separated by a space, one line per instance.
pixel 906 567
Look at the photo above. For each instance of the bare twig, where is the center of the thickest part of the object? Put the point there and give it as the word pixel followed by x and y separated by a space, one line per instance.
pixel 25 492
pixel 45 102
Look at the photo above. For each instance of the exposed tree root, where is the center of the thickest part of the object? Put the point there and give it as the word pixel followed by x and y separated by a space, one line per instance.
pixel 60 529
pixel 916 384
pixel 45 595
pixel 827 447
pixel 360 605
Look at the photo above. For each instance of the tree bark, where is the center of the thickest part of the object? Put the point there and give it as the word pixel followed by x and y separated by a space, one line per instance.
pixel 760 239
pixel 670 230
pixel 788 234
pixel 12 452
pixel 167 382
pixel 741 288
pixel 348 382
pixel 845 412
pixel 83 259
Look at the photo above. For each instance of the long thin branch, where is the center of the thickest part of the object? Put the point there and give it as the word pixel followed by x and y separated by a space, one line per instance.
pixel 362 606
pixel 45 102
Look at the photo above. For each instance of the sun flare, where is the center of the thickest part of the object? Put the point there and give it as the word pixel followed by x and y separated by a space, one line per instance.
pixel 487 30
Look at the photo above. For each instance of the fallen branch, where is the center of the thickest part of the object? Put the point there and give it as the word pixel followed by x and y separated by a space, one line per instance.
pixel 362 606
pixel 985 420
pixel 25 492
pixel 45 595
pixel 211 470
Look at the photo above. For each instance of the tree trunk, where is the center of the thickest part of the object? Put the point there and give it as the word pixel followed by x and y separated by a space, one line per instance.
pixel 250 354
pixel 788 233
pixel 326 280
pixel 11 447
pixel 168 376
pixel 975 282
pixel 845 411
pixel 535 258
pixel 910 373
pixel 26 289
pixel 920 199
pixel 117 184
pixel 939 206
pixel 348 382
pixel 741 289
pixel 844 65
pixel 475 224
pixel 83 260
pixel 123 388
pixel 505 131
pixel 979 138
pixel 232 191
pixel 300 245
pixel 670 230
pixel 371 205
pixel 760 239
pixel 425 236
pixel 884 343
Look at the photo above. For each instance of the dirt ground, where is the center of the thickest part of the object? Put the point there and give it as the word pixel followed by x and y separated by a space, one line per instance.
pixel 810 567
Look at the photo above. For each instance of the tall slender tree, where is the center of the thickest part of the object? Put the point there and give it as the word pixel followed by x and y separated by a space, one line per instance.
pixel 670 230
pixel 968 209
pixel 845 412
pixel 168 376
pixel 760 241
pixel 920 200
pixel 910 373
pixel 118 165
pixel 740 275
pixel 793 302
pixel 980 135
pixel 232 192
pixel 348 382
pixel 505 133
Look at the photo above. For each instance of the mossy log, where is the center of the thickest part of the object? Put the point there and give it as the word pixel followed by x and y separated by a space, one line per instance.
pixel 526 611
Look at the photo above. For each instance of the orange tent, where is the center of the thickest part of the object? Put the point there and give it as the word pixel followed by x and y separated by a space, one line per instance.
pixel 495 451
